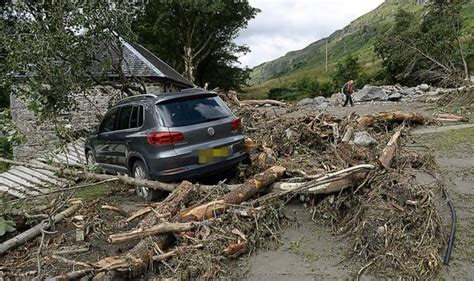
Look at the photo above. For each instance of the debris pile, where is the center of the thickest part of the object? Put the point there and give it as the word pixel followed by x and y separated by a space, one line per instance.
pixel 364 191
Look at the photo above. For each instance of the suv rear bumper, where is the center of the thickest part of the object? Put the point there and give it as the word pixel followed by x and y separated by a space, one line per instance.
pixel 194 171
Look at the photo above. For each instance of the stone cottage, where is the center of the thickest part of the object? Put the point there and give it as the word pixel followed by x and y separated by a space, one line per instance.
pixel 41 137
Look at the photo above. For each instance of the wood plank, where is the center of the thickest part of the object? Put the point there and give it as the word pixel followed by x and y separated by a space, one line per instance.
pixel 63 160
pixel 29 178
pixel 11 191
pixel 16 187
pixel 22 182
pixel 49 173
pixel 36 174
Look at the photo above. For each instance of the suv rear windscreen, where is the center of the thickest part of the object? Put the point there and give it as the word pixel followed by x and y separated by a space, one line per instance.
pixel 192 110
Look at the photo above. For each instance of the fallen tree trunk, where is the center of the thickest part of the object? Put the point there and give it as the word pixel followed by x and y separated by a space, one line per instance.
pixel 355 174
pixel 391 117
pixel 385 159
pixel 154 230
pixel 236 196
pixel 139 256
pixel 325 188
pixel 36 230
pixel 97 177
pixel 448 117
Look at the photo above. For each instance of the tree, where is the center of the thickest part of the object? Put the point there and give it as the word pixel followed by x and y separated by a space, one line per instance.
pixel 428 51
pixel 197 36
pixel 56 50
pixel 346 69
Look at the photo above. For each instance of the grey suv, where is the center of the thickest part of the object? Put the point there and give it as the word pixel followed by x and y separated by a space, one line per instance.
pixel 167 137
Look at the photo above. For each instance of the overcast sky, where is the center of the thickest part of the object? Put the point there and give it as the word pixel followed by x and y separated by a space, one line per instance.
pixel 288 25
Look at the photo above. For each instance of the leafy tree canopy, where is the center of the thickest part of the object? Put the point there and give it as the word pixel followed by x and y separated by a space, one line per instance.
pixel 197 37
pixel 347 69
pixel 58 49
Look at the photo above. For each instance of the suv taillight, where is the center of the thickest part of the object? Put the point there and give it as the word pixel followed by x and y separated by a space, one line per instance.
pixel 161 138
pixel 235 124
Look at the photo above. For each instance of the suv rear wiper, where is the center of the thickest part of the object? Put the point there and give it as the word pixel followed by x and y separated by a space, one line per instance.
pixel 215 118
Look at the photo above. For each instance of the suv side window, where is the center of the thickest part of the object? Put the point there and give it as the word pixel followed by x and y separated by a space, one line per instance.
pixel 108 124
pixel 124 117
pixel 137 117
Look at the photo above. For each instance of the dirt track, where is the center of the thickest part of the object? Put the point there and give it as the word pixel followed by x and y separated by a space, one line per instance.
pixel 309 251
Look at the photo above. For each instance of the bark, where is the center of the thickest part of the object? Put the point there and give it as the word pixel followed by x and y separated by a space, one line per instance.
pixel 391 117
pixel 119 210
pixel 235 197
pixel 450 118
pixel 348 135
pixel 154 230
pixel 36 230
pixel 138 257
pixel 385 159
pixel 97 177
pixel 236 250
pixel 70 275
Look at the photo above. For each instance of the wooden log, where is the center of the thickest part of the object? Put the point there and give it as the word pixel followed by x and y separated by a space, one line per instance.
pixel 137 259
pixel 97 177
pixel 74 275
pixel 36 230
pixel 348 135
pixel 236 250
pixel 154 230
pixel 385 159
pixel 449 117
pixel 117 209
pixel 391 117
pixel 236 196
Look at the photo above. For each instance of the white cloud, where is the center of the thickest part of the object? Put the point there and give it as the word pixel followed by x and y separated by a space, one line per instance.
pixel 288 25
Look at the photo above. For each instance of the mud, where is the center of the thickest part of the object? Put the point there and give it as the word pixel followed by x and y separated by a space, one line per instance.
pixel 309 251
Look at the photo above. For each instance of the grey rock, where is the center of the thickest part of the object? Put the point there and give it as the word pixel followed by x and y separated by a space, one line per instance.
pixel 305 102
pixel 364 139
pixel 408 91
pixel 289 133
pixel 320 100
pixel 370 93
pixel 423 87
pixel 395 97
pixel 337 99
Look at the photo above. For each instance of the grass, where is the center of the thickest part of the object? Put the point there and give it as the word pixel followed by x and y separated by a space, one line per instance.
pixel 94 192
pixel 449 140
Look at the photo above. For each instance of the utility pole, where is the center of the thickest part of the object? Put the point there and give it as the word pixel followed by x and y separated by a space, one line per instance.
pixel 326 55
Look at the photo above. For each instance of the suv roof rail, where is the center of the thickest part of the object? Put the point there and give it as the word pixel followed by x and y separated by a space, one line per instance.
pixel 137 97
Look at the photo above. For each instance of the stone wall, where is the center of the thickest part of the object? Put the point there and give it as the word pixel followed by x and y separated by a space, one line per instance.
pixel 41 136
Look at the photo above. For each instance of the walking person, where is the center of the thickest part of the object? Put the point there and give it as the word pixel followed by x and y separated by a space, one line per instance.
pixel 347 90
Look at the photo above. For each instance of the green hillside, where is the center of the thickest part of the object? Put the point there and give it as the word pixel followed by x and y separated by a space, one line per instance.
pixel 357 38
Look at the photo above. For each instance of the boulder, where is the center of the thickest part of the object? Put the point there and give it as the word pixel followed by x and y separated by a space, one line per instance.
pixel 370 93
pixel 305 102
pixel 395 97
pixel 337 99
pixel 320 100
pixel 364 139
pixel 423 87
pixel 408 91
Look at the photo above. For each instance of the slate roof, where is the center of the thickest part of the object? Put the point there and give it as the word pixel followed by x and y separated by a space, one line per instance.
pixel 140 62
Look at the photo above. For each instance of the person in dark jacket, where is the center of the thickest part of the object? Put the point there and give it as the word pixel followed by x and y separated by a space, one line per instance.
pixel 347 90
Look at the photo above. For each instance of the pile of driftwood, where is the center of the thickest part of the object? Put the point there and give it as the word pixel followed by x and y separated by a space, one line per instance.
pixel 198 229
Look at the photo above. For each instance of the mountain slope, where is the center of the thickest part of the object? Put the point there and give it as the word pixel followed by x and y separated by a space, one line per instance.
pixel 356 38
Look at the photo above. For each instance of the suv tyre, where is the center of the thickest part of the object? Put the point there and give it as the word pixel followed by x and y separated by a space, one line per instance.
pixel 140 171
